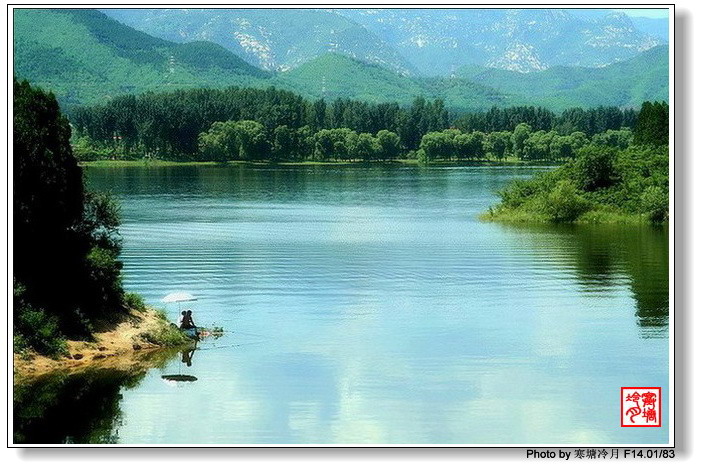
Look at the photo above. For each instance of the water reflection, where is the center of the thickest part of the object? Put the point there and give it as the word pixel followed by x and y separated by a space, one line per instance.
pixel 78 408
pixel 605 256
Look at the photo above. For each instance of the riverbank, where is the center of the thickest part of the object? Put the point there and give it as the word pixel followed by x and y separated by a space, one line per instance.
pixel 502 214
pixel 156 163
pixel 123 345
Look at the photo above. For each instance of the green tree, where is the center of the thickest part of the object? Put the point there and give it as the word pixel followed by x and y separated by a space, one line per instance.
pixel 652 127
pixel 498 144
pixel 284 143
pixel 519 137
pixel 594 167
pixel 389 145
pixel 251 140
pixel 65 240
pixel 366 147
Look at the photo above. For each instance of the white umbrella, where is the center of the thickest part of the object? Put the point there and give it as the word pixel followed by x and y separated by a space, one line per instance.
pixel 178 297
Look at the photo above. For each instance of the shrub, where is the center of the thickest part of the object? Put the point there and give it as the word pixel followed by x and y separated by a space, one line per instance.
pixel 166 336
pixel 594 168
pixel 564 204
pixel 35 329
pixel 655 202
pixel 517 192
pixel 134 301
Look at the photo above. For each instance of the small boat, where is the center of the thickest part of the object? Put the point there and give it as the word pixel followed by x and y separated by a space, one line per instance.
pixel 192 333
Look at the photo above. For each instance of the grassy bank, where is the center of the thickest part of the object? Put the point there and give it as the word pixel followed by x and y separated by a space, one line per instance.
pixel 114 344
pixel 509 161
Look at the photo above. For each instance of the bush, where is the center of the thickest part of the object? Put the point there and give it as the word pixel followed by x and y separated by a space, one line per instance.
pixel 134 301
pixel 655 203
pixel 563 204
pixel 517 192
pixel 35 329
pixel 167 336
pixel 594 168
pixel 422 157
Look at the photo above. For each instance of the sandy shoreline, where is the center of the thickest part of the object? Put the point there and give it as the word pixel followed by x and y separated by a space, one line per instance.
pixel 122 346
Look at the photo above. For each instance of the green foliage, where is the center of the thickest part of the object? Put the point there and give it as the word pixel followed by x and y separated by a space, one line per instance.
pixel 522 132
pixel 134 301
pixel 34 328
pixel 66 239
pixel 166 336
pixel 594 168
pixel 655 203
pixel 652 127
pixel 620 139
pixel 564 204
pixel 603 184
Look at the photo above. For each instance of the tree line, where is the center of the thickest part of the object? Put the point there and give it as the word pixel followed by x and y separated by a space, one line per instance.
pixel 169 125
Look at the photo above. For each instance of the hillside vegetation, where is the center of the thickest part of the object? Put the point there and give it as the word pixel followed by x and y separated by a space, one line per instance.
pixel 84 56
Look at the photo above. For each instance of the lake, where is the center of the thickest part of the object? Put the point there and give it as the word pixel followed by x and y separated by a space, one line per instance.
pixel 370 305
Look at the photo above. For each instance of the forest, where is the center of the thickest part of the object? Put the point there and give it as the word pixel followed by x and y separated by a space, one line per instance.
pixel 277 125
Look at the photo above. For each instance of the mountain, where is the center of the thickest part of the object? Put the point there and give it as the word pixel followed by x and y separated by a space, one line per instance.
pixel 84 56
pixel 272 39
pixel 332 76
pixel 438 41
pixel 623 84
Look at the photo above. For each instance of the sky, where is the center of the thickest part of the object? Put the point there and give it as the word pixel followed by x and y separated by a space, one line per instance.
pixel 646 12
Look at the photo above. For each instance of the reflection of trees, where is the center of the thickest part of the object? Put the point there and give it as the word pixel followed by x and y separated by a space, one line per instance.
pixel 602 255
pixel 82 408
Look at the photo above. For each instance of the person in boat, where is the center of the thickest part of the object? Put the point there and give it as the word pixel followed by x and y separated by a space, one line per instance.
pixel 188 322
pixel 181 319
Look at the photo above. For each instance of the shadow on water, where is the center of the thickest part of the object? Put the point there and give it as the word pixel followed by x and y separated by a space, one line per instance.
pixel 79 408
pixel 602 255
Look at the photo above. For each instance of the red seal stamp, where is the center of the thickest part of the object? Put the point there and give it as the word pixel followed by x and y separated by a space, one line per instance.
pixel 641 406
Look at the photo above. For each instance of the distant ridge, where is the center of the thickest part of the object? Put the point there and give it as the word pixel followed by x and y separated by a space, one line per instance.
pixel 83 55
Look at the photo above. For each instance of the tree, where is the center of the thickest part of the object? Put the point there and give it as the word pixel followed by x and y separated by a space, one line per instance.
pixel 65 243
pixel 652 127
pixel 498 144
pixel 594 168
pixel 283 146
pixel 389 145
pixel 518 138
pixel 366 147
pixel 251 140
pixel 219 143
pixel 620 138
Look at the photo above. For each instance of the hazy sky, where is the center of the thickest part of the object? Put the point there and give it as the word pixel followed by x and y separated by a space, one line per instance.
pixel 646 12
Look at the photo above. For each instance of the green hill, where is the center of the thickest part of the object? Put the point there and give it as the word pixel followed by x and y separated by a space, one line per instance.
pixel 84 56
pixel 333 75
pixel 623 84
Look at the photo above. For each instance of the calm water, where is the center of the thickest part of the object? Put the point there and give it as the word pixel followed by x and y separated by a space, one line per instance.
pixel 370 305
